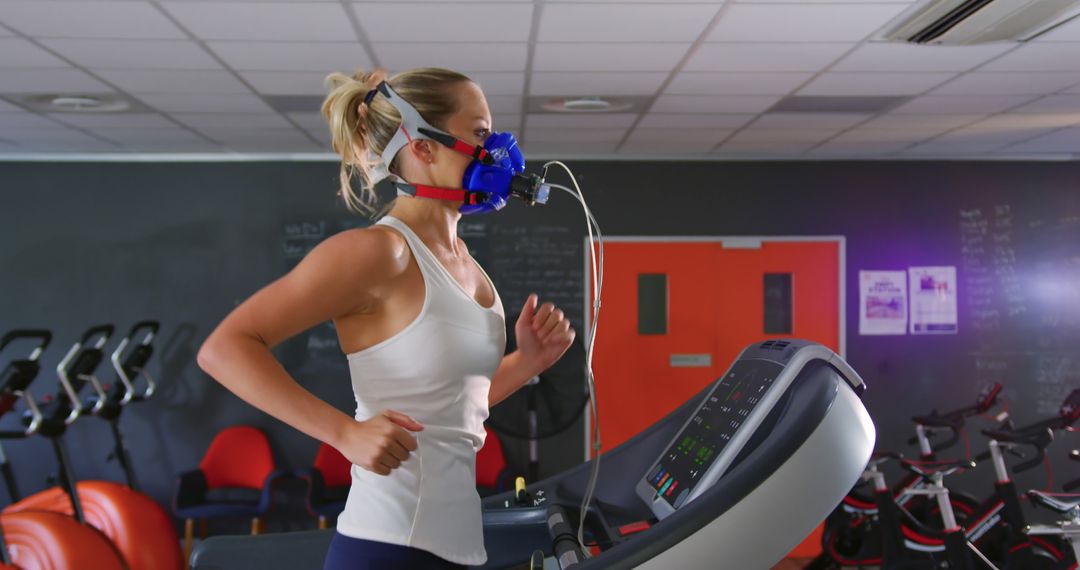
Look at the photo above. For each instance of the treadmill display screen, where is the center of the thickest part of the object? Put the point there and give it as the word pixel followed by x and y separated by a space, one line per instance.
pixel 713 426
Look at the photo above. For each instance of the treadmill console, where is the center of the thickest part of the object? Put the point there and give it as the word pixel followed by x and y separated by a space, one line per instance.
pixel 724 421
pixel 711 429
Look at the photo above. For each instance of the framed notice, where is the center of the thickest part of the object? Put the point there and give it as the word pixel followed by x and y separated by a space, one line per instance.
pixel 933 299
pixel 883 302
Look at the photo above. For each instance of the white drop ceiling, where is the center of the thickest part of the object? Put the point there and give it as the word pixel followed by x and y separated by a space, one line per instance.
pixel 206 77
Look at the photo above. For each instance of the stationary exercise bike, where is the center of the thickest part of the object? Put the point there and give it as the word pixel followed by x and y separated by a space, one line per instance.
pixel 1068 529
pixel 139 528
pixel 41 539
pixel 852 530
pixel 992 533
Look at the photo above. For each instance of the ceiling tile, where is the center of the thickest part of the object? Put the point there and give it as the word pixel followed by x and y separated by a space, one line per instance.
pixel 857 84
pixel 201 121
pixel 580 120
pixel 293 56
pixel 903 122
pixel 499 83
pixel 595 83
pixel 826 121
pixel 712 104
pixel 98 19
pixel 278 22
pixel 286 82
pixel 631 56
pixel 1017 120
pixel 565 149
pixel 888 136
pixel 137 136
pixel 624 22
pixel 688 121
pixel 1053 104
pixel 801 22
pixel 78 146
pixel 764 148
pixel 841 148
pixel 276 147
pixel 173 81
pixel 1048 56
pixel 670 136
pixel 15 52
pixel 673 147
pixel 764 57
pixel 1016 83
pixel 41 80
pixel 939 148
pixel 503 104
pixel 756 135
pixel 450 22
pixel 885 57
pixel 667 141
pixel 26 121
pixel 50 135
pixel 309 121
pixel 461 57
pixel 235 135
pixel 134 54
pixel 1065 140
pixel 967 104
pixel 115 121
pixel 1067 32
pixel 975 134
pixel 204 103
pixel 174 147
pixel 546 135
pixel 707 83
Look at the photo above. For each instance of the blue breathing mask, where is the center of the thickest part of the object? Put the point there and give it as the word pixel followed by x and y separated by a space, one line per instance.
pixel 496 173
pixel 502 177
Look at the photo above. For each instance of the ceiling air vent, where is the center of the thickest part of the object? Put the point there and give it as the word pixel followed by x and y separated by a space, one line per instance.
pixel 965 22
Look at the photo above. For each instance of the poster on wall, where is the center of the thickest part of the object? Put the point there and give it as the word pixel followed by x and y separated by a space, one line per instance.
pixel 882 302
pixel 933 299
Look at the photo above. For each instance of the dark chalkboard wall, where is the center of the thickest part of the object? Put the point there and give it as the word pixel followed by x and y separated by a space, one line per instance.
pixel 83 243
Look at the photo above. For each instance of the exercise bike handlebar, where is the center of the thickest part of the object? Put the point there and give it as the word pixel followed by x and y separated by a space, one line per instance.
pixel 41 334
pixel 151 328
pixel 1036 438
pixel 102 332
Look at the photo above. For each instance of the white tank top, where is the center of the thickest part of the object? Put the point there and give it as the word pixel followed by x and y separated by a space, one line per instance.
pixel 437 370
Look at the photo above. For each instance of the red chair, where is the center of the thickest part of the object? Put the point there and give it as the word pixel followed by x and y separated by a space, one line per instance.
pixel 234 479
pixel 328 480
pixel 493 475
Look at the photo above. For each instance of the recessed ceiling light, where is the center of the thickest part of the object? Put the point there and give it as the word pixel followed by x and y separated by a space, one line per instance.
pixel 103 103
pixel 585 105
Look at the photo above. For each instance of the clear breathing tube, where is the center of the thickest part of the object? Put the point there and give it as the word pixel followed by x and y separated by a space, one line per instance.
pixel 597 264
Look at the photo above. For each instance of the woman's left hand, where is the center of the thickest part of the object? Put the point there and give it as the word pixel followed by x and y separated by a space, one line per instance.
pixel 544 334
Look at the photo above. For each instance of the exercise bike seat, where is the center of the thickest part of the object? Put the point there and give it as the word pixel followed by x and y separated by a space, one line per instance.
pixel 1063 503
pixel 931 468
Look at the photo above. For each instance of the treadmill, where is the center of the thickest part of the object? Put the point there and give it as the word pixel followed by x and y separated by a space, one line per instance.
pixel 735 478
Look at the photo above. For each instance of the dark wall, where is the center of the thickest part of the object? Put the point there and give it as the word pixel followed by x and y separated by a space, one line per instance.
pixel 85 243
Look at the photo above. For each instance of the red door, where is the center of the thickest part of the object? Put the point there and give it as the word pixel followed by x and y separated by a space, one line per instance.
pixel 716 300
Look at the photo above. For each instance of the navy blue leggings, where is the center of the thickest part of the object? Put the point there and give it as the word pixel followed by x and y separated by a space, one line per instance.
pixel 348 553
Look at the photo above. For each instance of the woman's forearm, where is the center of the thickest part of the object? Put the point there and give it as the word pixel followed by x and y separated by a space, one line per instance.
pixel 514 371
pixel 248 369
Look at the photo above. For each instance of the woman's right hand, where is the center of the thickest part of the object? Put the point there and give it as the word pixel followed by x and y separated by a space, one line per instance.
pixel 381 443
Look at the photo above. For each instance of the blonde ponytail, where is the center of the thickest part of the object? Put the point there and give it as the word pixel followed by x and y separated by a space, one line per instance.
pixel 359 132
